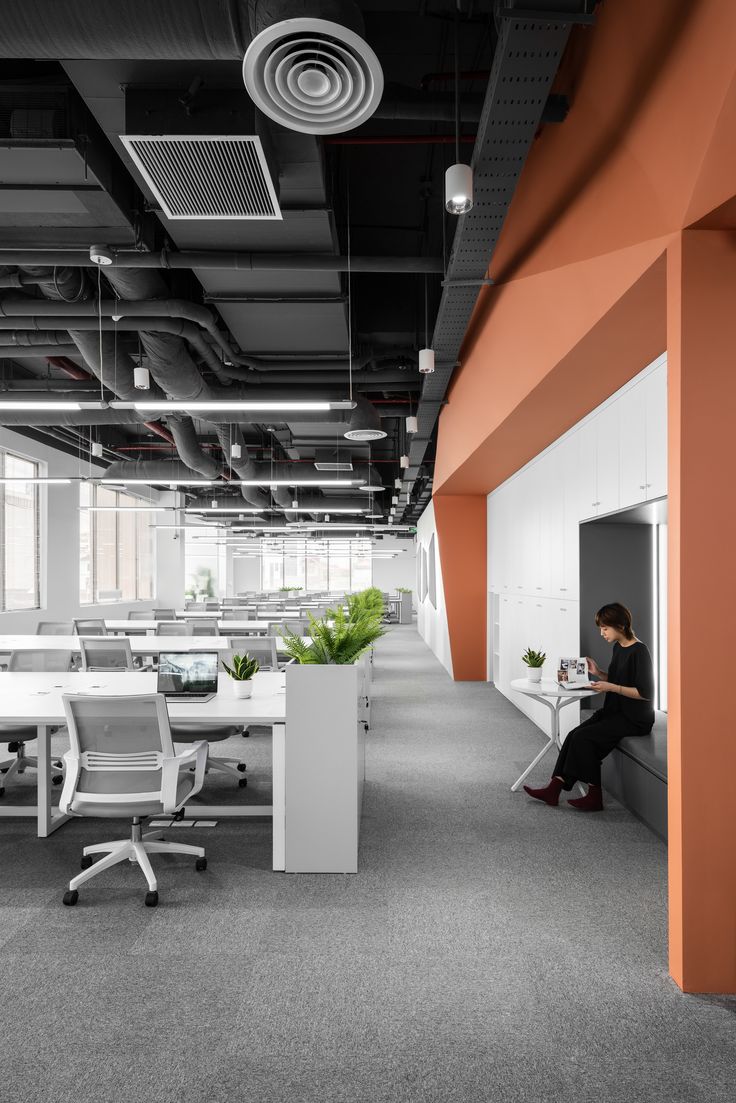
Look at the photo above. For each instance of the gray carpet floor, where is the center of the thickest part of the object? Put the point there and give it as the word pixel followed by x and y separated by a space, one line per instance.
pixel 490 948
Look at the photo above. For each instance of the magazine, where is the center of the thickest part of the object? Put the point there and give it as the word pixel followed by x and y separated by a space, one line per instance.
pixel 573 674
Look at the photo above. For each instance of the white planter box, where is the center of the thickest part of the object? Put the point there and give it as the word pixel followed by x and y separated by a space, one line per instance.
pixel 325 766
pixel 405 609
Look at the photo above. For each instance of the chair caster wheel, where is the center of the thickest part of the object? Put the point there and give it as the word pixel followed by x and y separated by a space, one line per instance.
pixel 151 899
pixel 242 767
pixel 86 861
pixel 243 782
pixel 200 864
pixel 70 898
pixel 57 779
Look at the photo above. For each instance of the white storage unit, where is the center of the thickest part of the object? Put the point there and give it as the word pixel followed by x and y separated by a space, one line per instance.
pixel 613 459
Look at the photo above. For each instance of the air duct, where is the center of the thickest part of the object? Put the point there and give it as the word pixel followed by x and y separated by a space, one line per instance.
pixel 308 67
pixel 188 447
pixel 243 468
pixel 154 471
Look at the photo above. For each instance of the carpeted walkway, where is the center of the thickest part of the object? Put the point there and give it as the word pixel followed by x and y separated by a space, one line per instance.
pixel 490 948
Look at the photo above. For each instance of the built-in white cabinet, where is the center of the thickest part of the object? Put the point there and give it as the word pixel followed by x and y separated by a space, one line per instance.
pixel 615 458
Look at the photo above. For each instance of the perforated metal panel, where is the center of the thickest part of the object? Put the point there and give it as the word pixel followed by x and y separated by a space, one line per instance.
pixel 203 177
pixel 527 57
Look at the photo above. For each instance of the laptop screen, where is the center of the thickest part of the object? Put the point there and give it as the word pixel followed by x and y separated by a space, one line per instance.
pixel 187 672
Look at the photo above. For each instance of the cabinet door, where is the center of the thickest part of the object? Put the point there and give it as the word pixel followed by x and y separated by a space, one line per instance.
pixel 586 474
pixel 632 455
pixel 570 466
pixel 492 542
pixel 607 442
pixel 551 524
pixel 655 403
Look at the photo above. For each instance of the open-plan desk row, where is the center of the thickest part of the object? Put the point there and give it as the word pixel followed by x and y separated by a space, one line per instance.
pixel 36 699
pixel 139 645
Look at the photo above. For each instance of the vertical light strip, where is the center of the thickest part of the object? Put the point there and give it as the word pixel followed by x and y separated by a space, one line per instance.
pixel 654 573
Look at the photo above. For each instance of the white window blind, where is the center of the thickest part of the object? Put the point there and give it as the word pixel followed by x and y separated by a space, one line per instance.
pixel 20 569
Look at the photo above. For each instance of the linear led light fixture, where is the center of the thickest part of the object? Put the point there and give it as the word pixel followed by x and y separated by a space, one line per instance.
pixel 56 406
pixel 158 482
pixel 128 509
pixel 223 509
pixel 325 509
pixel 37 480
pixel 222 405
pixel 297 482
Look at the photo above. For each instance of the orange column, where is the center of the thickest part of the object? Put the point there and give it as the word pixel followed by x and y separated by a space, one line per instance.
pixel 461 535
pixel 701 341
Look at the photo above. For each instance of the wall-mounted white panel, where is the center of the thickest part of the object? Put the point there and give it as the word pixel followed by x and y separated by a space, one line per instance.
pixel 431 620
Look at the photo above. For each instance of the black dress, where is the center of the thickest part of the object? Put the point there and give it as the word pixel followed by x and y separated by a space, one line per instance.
pixel 587 745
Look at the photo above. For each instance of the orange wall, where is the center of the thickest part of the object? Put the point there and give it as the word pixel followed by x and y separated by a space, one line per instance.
pixel 591 285
pixel 461 537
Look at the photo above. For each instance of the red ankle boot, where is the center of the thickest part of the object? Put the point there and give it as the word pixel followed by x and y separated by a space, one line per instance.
pixel 591 802
pixel 550 794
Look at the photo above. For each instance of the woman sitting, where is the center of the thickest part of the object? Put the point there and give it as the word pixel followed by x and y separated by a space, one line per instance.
pixel 627 710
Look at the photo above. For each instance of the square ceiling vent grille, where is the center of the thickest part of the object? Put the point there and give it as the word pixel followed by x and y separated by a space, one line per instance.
pixel 198 177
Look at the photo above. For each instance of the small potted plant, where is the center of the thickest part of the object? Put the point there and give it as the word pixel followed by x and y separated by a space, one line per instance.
pixel 534 661
pixel 241 672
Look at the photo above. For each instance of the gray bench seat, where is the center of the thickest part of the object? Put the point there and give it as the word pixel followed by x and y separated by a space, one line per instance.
pixel 635 773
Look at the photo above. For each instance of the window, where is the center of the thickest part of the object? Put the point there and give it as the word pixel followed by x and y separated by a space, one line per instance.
pixel 116 561
pixel 204 563
pixel 319 566
pixel 19 535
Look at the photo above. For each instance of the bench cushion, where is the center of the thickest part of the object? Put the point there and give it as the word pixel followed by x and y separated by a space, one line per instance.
pixel 650 751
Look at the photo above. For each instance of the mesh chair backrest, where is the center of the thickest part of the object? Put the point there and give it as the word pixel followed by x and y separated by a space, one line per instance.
pixel 55 628
pixel 40 661
pixel 262 648
pixel 140 614
pixel 211 605
pixel 231 614
pixel 164 614
pixel 194 606
pixel 174 628
pixel 122 739
pixel 296 627
pixel 89 627
pixel 112 653
pixel 203 626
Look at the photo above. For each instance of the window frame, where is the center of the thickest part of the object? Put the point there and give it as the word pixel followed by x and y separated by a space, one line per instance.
pixel 36 515
pixel 141 519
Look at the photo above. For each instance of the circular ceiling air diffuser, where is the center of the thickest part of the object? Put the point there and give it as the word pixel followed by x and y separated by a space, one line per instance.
pixel 313 76
pixel 365 434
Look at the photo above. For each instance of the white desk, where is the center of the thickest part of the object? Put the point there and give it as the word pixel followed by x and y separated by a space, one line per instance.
pixel 139 645
pixel 548 693
pixel 278 614
pixel 35 699
pixel 229 627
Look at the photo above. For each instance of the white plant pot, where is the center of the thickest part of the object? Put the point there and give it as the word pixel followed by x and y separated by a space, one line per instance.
pixel 242 689
pixel 534 674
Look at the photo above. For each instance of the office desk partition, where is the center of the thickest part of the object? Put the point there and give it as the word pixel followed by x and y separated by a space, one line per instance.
pixel 30 698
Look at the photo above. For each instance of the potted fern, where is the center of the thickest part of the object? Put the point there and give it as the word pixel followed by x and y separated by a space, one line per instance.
pixel 241 672
pixel 337 642
pixel 534 661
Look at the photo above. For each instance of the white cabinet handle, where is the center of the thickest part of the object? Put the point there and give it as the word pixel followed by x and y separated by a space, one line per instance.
pixel 563 610
pixel 563 589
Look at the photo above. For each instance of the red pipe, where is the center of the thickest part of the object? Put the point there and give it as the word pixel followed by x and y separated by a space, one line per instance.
pixel 402 140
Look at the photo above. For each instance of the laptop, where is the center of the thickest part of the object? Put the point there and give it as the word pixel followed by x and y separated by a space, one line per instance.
pixel 188 675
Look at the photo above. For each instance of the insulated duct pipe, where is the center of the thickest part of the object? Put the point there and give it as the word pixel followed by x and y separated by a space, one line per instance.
pixel 188 447
pixel 244 468
pixel 155 471
pixel 169 30
pixel 73 418
pixel 227 261
pixel 15 306
pixel 110 364
pixel 159 346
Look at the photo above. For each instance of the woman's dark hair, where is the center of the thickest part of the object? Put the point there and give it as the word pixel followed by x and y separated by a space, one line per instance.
pixel 615 616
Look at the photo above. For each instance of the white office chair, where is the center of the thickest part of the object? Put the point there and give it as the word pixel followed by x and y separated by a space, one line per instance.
pixel 122 764
pixel 262 648
pixel 110 653
pixel 203 626
pixel 17 735
pixel 174 628
pixel 89 627
pixel 55 628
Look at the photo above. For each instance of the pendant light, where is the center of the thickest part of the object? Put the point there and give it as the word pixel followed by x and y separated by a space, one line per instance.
pixel 398 484
pixel 404 461
pixel 426 355
pixel 141 378
pixel 459 177
pixel 96 449
pixel 235 451
pixel 412 425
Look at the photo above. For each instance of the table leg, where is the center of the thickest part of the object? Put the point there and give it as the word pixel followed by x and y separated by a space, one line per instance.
pixel 552 741
pixel 48 819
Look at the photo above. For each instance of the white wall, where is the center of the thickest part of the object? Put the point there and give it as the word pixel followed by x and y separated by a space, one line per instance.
pixel 613 459
pixel 401 571
pixel 431 620
pixel 59 509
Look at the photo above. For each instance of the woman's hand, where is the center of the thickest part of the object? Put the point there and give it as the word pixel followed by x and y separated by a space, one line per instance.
pixel 603 687
pixel 593 667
